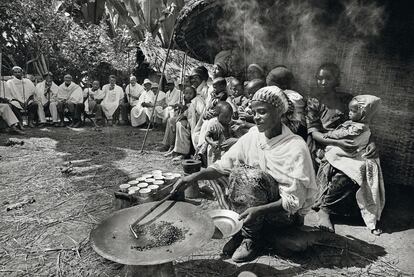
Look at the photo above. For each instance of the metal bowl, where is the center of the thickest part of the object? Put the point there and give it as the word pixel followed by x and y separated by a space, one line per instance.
pixel 112 238
pixel 227 223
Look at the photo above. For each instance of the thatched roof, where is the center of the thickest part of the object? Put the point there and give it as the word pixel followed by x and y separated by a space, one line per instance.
pixel 155 56
pixel 195 30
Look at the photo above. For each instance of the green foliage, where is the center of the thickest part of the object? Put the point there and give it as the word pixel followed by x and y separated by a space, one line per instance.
pixel 32 28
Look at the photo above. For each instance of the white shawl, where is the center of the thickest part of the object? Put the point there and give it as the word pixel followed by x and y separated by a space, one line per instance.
pixel 135 91
pixel 72 93
pixel 367 174
pixel 173 97
pixel 40 92
pixel 20 90
pixel 112 99
pixel 285 157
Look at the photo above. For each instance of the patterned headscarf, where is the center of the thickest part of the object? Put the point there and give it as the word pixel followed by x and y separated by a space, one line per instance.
pixel 274 96
pixel 370 104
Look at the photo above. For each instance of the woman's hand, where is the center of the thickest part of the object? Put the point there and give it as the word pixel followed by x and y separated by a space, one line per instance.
pixel 250 215
pixel 346 144
pixel 181 184
pixel 371 152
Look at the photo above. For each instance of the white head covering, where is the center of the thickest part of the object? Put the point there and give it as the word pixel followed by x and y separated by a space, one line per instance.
pixel 16 67
pixel 147 81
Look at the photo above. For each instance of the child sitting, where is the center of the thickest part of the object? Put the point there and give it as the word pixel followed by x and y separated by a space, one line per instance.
pixel 218 135
pixel 365 172
pixel 237 93
pixel 219 94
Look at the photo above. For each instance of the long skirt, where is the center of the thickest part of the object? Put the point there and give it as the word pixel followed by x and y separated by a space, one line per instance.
pixel 250 187
pixel 336 192
pixel 182 138
pixel 169 136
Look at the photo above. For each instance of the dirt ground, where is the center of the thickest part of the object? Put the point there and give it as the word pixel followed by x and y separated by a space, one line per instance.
pixel 50 237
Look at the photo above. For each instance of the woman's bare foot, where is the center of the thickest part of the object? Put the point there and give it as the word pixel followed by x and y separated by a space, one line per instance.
pixel 325 223
pixel 170 152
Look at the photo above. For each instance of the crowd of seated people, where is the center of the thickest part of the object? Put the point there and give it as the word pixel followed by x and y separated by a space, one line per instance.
pixel 205 116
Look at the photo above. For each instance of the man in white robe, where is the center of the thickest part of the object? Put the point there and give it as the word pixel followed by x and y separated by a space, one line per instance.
pixel 46 93
pixel 172 99
pixel 69 99
pixel 7 115
pixel 109 107
pixel 93 97
pixel 20 95
pixel 141 113
pixel 133 91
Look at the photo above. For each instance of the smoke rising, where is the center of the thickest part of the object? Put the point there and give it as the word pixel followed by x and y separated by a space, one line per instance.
pixel 301 34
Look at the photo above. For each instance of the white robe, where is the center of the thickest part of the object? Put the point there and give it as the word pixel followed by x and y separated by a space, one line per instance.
pixel 92 96
pixel 135 91
pixel 4 89
pixel 184 135
pixel 204 90
pixel 285 157
pixel 19 90
pixel 43 99
pixel 40 96
pixel 72 93
pixel 111 100
pixel 366 173
pixel 140 114
pixel 172 98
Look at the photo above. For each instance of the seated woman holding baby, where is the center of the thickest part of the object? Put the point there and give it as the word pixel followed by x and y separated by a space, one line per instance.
pixel 348 173
pixel 267 175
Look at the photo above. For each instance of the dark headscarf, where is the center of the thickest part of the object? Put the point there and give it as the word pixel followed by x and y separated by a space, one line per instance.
pixel 281 77
pixel 200 71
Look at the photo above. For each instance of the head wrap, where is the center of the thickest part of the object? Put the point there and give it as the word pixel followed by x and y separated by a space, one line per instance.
pixel 370 104
pixel 16 67
pixel 146 81
pixel 257 67
pixel 224 60
pixel 154 85
pixel 274 96
pixel 200 71
pixel 132 78
pixel 281 77
pixel 254 85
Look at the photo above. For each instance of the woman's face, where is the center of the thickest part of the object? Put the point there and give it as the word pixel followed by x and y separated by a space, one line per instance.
pixel 196 81
pixel 355 113
pixel 218 71
pixel 189 94
pixel 326 80
pixel 253 73
pixel 265 116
